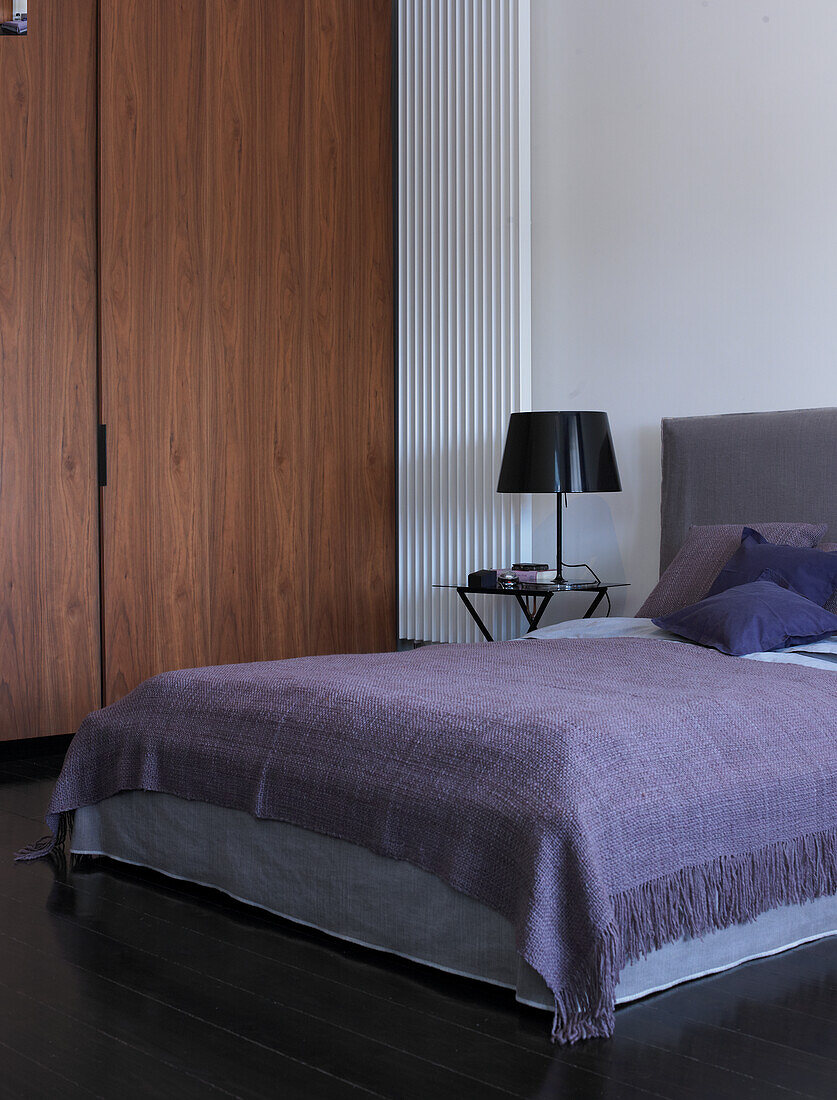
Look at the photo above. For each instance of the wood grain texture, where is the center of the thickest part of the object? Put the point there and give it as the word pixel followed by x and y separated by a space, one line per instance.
pixel 256 315
pixel 351 389
pixel 247 353
pixel 49 610
pixel 153 391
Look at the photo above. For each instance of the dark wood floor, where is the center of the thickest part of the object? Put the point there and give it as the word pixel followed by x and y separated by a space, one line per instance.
pixel 120 983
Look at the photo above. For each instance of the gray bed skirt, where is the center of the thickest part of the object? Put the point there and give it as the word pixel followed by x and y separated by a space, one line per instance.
pixel 349 892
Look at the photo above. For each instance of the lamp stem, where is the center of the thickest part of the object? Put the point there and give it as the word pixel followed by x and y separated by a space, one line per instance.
pixel 559 540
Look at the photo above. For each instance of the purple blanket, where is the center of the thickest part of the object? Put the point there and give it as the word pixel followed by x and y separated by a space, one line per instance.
pixel 606 796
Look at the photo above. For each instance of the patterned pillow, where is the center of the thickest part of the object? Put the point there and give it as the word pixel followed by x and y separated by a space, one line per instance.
pixel 705 553
pixel 830 548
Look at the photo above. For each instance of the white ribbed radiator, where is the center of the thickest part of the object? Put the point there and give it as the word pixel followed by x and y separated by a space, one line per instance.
pixel 463 303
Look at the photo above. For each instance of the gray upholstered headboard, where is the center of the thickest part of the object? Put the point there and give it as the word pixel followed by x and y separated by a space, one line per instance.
pixel 748 468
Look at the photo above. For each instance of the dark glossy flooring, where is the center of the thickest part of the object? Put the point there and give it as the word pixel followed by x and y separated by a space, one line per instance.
pixel 120 983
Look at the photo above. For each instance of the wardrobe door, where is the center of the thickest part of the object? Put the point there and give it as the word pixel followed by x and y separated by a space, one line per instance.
pixel 349 285
pixel 247 353
pixel 49 609
pixel 155 373
pixel 257 350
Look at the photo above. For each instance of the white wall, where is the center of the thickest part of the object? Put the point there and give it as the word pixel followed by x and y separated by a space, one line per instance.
pixel 684 203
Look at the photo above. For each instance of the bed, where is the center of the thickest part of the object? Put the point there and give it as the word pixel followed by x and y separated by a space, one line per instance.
pixel 771 466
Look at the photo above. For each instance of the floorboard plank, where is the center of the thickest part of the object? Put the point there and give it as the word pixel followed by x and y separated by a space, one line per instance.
pixel 252 1018
pixel 83 1052
pixel 27 769
pixel 23 1078
pixel 765 1020
pixel 176 1038
pixel 25 797
pixel 707 1043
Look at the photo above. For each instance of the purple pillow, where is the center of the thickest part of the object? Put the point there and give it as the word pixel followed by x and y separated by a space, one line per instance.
pixel 809 572
pixel 752 618
pixel 830 548
pixel 705 552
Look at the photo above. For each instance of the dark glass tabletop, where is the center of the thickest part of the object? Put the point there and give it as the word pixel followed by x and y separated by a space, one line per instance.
pixel 534 589
pixel 527 597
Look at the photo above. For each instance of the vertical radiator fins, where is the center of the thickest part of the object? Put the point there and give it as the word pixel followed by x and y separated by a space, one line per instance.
pixel 464 302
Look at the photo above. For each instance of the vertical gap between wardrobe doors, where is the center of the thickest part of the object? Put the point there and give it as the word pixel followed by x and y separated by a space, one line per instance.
pixel 100 413
pixel 395 123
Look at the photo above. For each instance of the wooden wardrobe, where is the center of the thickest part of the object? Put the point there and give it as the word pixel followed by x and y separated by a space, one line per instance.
pixel 196 251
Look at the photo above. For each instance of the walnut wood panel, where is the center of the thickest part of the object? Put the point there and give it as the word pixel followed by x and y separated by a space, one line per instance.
pixel 49 610
pixel 351 387
pixel 153 389
pixel 6 10
pixel 256 318
pixel 247 332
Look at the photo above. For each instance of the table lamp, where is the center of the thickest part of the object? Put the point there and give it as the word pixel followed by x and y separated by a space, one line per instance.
pixel 559 452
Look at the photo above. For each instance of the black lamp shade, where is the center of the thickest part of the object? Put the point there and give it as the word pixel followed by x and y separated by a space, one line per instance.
pixel 559 452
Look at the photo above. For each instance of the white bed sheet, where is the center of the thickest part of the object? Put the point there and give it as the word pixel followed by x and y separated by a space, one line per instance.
pixel 814 654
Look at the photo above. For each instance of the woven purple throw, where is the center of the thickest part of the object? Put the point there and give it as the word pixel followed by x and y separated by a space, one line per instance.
pixel 606 796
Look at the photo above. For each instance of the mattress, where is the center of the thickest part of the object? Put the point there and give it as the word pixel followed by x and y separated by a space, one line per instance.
pixel 356 895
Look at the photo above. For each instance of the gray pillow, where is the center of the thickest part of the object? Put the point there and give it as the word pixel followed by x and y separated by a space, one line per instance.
pixel 705 553
pixel 830 548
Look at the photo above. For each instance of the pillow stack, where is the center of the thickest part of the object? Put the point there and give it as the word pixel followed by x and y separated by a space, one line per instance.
pixel 705 553
pixel 761 595
pixel 809 572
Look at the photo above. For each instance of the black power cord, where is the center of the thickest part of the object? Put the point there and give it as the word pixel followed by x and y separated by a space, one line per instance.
pixel 592 571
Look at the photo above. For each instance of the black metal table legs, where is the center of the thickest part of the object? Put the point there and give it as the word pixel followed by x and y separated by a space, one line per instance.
pixel 533 616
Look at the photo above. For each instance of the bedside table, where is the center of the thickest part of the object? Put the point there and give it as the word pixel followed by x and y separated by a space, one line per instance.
pixel 535 592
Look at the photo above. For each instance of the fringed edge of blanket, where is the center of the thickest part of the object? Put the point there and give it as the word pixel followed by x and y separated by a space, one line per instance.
pixel 53 843
pixel 587 1009
pixel 687 905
